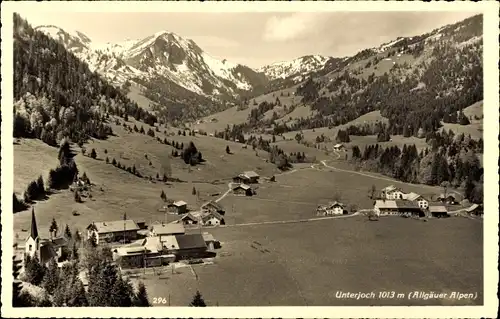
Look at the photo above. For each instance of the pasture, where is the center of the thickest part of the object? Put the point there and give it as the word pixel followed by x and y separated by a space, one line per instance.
pixel 305 264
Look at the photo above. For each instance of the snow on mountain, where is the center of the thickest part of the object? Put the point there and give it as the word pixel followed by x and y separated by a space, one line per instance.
pixel 161 55
pixel 297 67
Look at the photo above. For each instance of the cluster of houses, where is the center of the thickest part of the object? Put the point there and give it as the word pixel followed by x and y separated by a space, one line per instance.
pixel 137 246
pixel 394 201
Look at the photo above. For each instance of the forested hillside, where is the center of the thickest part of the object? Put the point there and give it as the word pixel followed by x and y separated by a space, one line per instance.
pixel 56 95
pixel 445 75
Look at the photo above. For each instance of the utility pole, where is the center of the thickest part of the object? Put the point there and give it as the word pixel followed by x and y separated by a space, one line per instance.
pixel 124 226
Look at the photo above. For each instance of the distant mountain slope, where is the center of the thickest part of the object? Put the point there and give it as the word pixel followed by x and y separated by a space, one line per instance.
pixel 295 68
pixel 56 95
pixel 416 82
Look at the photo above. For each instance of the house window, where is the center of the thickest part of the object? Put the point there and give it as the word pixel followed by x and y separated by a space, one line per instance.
pixel 31 247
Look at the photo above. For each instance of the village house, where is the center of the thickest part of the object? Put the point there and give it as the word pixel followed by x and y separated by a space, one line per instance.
pixel 419 199
pixel 212 206
pixel 397 207
pixel 188 219
pixel 162 229
pixel 212 219
pixel 243 189
pixel 248 177
pixel 180 207
pixel 475 209
pixel 447 199
pixel 113 231
pixel 438 211
pixel 392 192
pixel 44 249
pixel 338 147
pixel 334 208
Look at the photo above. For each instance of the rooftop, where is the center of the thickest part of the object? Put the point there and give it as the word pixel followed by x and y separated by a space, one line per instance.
pixel 395 204
pixel 114 226
pixel 210 215
pixel 437 209
pixel 244 186
pixel 412 196
pixel 167 229
pixel 250 174
pixel 214 204
pixel 179 203
pixel 190 241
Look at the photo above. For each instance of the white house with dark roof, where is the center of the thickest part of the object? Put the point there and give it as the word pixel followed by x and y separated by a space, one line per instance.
pixel 419 199
pixel 392 192
pixel 212 219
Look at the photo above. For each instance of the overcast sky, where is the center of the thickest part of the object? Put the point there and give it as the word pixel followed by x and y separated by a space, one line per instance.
pixel 257 39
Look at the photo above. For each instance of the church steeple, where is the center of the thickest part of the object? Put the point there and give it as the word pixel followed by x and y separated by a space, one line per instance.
pixel 34 229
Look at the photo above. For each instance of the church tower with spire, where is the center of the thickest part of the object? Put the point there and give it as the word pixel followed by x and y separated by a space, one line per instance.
pixel 33 241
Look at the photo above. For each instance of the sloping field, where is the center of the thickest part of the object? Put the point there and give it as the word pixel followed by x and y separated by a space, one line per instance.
pixel 306 264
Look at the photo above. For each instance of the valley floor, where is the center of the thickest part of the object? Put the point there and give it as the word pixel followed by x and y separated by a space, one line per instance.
pixel 275 250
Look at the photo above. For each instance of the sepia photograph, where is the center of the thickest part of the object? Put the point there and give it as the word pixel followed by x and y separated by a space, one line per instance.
pixel 249 155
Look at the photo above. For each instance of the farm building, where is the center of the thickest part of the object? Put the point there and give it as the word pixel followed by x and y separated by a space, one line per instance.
pixel 338 147
pixel 397 207
pixel 392 192
pixel 112 231
pixel 419 199
pixel 213 206
pixel 447 199
pixel 163 229
pixel 180 207
pixel 438 211
pixel 475 209
pixel 334 208
pixel 212 219
pixel 248 177
pixel 145 253
pixel 188 219
pixel 185 246
pixel 243 189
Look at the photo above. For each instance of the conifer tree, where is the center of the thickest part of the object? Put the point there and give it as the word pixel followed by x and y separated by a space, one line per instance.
pixel 51 278
pixel 197 300
pixel 141 297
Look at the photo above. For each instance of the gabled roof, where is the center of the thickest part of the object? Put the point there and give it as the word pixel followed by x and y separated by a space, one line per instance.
pixel 250 174
pixel 385 203
pixel 406 204
pixel 413 196
pixel 243 186
pixel 396 204
pixel 59 242
pixel 389 188
pixel 213 204
pixel 438 209
pixel 442 196
pixel 188 216
pixel 334 204
pixel 169 242
pixel 114 226
pixel 168 229
pixel 211 215
pixel 190 241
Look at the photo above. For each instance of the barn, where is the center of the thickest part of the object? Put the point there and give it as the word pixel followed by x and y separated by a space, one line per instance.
pixel 438 211
pixel 243 189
